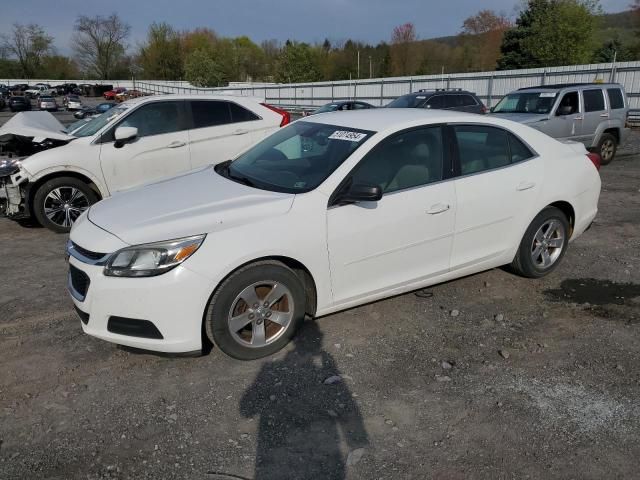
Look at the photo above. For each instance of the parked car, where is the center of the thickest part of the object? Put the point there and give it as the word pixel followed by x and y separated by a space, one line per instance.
pixel 441 99
pixel 94 111
pixel 48 103
pixel 73 102
pixel 383 206
pixel 342 106
pixel 136 142
pixel 5 92
pixel 39 90
pixel 2 103
pixel 111 94
pixel 68 88
pixel 19 103
pixel 593 114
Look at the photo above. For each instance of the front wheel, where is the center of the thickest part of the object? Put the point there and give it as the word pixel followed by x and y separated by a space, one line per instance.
pixel 256 311
pixel 59 202
pixel 543 245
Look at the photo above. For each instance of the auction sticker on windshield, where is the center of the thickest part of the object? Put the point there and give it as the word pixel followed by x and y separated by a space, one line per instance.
pixel 346 135
pixel 547 94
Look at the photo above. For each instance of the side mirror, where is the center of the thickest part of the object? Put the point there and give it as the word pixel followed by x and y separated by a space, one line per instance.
pixel 564 110
pixel 124 135
pixel 361 193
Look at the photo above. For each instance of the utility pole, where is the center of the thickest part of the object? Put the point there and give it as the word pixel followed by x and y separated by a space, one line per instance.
pixel 370 68
pixel 358 64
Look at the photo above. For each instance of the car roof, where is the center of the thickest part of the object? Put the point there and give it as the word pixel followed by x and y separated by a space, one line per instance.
pixel 152 98
pixel 381 119
pixel 560 86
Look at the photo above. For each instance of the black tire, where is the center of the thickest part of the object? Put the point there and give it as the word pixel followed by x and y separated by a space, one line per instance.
pixel 523 264
pixel 225 301
pixel 65 184
pixel 607 147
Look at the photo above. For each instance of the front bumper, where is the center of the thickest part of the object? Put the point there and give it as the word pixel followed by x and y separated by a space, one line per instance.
pixel 14 196
pixel 174 303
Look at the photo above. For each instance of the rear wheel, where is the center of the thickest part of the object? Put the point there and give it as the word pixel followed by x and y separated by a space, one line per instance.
pixel 543 244
pixel 58 203
pixel 256 311
pixel 606 148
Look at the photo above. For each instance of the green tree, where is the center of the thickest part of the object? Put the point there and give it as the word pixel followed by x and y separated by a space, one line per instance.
pixel 613 50
pixel 28 44
pixel 298 62
pixel 59 67
pixel 99 44
pixel 161 56
pixel 551 33
pixel 202 70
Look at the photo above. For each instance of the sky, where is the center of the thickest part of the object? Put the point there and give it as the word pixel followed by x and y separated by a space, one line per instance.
pixel 304 20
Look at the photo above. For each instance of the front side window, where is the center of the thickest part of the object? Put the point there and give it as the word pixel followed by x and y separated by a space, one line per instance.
pixel 481 148
pixel 297 158
pixel 154 118
pixel 569 104
pixel 616 99
pixel 593 100
pixel 406 160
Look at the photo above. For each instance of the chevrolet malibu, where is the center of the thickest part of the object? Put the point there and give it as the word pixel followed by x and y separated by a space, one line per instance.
pixel 326 214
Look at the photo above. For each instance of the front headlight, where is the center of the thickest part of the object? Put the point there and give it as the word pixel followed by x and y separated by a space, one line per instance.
pixel 151 259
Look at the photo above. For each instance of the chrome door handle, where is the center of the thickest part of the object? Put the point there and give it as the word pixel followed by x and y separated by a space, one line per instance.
pixel 176 144
pixel 604 115
pixel 240 131
pixel 579 118
pixel 438 208
pixel 525 186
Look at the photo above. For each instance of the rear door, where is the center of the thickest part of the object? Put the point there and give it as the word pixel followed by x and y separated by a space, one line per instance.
pixel 160 150
pixel 595 112
pixel 220 130
pixel 499 177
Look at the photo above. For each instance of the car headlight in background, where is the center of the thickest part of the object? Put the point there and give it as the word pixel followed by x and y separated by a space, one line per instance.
pixel 152 259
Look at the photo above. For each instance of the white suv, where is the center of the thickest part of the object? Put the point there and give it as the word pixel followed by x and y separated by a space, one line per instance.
pixel 137 142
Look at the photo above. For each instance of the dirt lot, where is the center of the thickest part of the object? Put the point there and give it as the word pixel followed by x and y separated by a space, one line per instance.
pixel 530 379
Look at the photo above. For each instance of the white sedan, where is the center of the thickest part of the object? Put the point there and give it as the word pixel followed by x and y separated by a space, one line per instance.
pixel 328 213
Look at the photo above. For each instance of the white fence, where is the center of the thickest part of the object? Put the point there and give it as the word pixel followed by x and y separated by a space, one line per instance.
pixel 489 86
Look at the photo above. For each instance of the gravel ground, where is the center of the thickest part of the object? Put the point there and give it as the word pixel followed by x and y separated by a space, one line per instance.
pixel 489 377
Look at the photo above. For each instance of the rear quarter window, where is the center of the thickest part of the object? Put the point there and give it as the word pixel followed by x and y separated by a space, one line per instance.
pixel 593 100
pixel 616 99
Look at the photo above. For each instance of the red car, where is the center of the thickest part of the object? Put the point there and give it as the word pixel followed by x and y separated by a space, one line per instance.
pixel 111 94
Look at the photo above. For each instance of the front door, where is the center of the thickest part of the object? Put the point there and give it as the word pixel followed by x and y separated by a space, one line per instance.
pixel 404 237
pixel 160 150
pixel 566 121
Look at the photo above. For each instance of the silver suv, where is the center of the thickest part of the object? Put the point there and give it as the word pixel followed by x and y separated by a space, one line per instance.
pixel 593 114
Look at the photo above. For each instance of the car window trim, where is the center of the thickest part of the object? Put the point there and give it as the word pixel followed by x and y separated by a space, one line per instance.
pixel 446 162
pixel 456 158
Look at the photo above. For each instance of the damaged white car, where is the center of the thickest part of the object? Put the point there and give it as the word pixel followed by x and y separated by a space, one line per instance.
pixel 53 176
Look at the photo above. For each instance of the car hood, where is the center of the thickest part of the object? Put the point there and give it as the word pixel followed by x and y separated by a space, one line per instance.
pixel 198 202
pixel 526 118
pixel 39 125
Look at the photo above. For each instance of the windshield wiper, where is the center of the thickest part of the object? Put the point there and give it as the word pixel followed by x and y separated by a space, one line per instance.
pixel 225 169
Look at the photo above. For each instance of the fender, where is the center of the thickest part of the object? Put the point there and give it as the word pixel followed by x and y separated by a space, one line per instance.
pixel 61 170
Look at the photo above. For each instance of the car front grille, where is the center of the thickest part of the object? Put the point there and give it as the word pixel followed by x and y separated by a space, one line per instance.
pixel 79 282
pixel 87 253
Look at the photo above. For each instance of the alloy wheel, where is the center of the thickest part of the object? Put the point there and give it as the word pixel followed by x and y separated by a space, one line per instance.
pixel 607 150
pixel 547 244
pixel 63 205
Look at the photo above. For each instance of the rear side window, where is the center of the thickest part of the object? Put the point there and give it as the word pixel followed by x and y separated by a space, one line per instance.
pixel 519 151
pixel 468 101
pixel 209 113
pixel 616 99
pixel 452 101
pixel 481 148
pixel 593 100
pixel 241 114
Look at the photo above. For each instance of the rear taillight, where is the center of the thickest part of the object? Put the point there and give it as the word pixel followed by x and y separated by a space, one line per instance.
pixel 484 109
pixel 286 117
pixel 595 159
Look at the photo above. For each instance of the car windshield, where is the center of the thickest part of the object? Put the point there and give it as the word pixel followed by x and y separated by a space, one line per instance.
pixel 75 126
pixel 407 101
pixel 331 107
pixel 526 102
pixel 95 124
pixel 297 158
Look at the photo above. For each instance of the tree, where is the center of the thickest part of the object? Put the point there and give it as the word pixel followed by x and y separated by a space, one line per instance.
pixel 297 63
pixel 161 56
pixel 612 50
pixel 58 67
pixel 551 33
pixel 28 44
pixel 99 44
pixel 202 70
pixel 480 39
pixel 402 52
